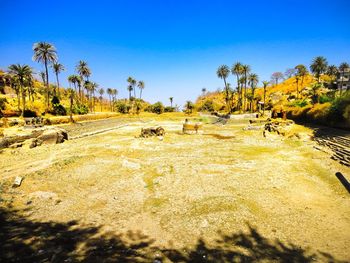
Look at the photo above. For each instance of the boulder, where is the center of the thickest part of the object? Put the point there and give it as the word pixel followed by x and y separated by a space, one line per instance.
pixel 53 136
pixel 34 137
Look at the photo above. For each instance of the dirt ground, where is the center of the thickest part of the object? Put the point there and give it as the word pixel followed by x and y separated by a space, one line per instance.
pixel 223 195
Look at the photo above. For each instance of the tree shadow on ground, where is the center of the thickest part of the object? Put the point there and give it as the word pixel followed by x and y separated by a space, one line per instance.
pixel 23 240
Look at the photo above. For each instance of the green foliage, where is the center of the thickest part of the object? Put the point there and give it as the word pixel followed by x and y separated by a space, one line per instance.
pixel 157 107
pixel 122 107
pixel 325 98
pixel 58 109
pixel 207 106
pixel 80 109
pixel 337 112
pixel 299 103
pixel 169 109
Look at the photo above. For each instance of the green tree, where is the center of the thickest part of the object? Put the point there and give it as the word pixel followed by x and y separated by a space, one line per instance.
pixel 45 53
pixel 189 106
pixel 57 68
pixel 318 67
pixel 332 71
pixel 141 85
pixel 84 72
pixel 301 72
pixel 238 70
pixel 246 71
pixel 23 75
pixel 114 94
pixel 223 73
pixel 253 82
pixel 109 92
pixel 131 86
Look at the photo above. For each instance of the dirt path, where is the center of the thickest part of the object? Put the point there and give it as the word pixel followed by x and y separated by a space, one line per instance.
pixel 224 195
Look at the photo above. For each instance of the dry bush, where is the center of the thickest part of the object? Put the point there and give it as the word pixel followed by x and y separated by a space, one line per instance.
pixel 298 113
pixel 319 112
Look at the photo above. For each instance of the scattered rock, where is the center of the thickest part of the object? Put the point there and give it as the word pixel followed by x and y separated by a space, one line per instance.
pixel 153 131
pixel 34 137
pixel 16 145
pixel 53 136
pixel 18 181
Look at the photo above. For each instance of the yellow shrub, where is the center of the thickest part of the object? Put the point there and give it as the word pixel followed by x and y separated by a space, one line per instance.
pixel 319 112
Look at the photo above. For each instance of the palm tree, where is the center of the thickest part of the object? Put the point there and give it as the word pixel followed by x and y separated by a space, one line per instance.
pixel 101 92
pixel 131 87
pixel 109 92
pixel 246 71
pixel 253 81
pixel 342 68
pixel 265 83
pixel 204 90
pixel 189 106
pixel 71 94
pixel 42 75
pixel 300 73
pixel 114 97
pixel 84 72
pixel 45 53
pixel 72 80
pixel 141 86
pixel 319 66
pixel 238 70
pixel 24 77
pixel 57 68
pixel 93 88
pixel 223 72
pixel 171 101
pixel 332 71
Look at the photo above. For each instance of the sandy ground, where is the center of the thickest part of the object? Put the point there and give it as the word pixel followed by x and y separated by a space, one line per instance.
pixel 185 189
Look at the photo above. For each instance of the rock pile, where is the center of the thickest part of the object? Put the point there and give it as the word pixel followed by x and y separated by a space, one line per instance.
pixel 33 137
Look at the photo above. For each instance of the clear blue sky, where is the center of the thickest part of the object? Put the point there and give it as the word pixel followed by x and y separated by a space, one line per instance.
pixel 175 46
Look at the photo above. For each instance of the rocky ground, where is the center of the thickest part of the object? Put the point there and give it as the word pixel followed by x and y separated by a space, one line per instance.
pixel 225 194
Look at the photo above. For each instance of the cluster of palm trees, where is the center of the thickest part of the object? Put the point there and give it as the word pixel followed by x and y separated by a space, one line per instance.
pixel 318 67
pixel 246 82
pixel 21 76
pixel 132 83
pixel 245 90
pixel 84 88
pixel 21 79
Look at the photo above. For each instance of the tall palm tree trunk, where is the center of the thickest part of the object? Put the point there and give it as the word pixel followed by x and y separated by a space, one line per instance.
pixel 47 85
pixel 227 98
pixel 58 86
pixel 140 93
